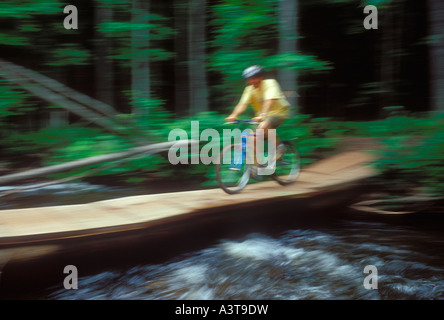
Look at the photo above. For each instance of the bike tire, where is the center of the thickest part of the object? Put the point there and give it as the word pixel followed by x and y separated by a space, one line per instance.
pixel 288 166
pixel 232 181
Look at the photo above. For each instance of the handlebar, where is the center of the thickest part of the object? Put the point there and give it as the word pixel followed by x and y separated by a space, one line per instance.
pixel 249 121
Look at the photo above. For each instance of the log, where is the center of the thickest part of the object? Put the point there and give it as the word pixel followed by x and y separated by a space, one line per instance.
pixel 85 107
pixel 63 102
pixel 147 149
pixel 58 87
pixel 369 205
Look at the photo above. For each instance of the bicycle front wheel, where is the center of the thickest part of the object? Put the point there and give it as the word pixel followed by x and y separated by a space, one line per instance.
pixel 288 166
pixel 232 172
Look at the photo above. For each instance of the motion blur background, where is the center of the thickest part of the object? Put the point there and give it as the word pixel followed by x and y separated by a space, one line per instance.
pixel 154 66
pixel 161 64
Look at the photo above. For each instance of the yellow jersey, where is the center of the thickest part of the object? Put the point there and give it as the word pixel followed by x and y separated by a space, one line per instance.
pixel 268 89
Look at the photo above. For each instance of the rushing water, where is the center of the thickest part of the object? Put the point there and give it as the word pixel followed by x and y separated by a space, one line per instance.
pixel 312 259
pixel 313 263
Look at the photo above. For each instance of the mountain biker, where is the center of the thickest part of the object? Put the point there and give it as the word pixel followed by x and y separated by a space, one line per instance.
pixel 267 99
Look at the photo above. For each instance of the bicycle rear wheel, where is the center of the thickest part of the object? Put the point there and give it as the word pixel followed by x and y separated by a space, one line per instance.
pixel 288 166
pixel 232 172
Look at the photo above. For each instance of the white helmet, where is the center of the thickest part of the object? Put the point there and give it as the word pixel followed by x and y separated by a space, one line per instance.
pixel 252 71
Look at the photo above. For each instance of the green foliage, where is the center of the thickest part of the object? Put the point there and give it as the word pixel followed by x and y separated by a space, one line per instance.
pixel 395 125
pixel 28 19
pixel 149 114
pixel 13 40
pixel 411 151
pixel 151 29
pixel 295 61
pixel 244 24
pixel 54 145
pixel 158 26
pixel 413 156
pixel 244 34
pixel 13 100
pixel 377 3
pixel 69 54
pixel 24 9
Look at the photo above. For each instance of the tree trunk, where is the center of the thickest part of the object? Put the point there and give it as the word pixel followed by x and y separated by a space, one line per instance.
pixel 103 71
pixel 181 85
pixel 197 56
pixel 288 32
pixel 140 68
pixel 387 67
pixel 436 54
pixel 58 118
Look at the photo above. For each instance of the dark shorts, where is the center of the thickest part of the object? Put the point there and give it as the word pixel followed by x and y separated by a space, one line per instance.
pixel 274 121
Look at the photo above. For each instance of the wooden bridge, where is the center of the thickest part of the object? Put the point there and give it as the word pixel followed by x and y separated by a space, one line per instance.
pixel 53 225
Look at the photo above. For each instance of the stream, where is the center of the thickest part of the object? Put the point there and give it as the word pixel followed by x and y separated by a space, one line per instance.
pixel 312 258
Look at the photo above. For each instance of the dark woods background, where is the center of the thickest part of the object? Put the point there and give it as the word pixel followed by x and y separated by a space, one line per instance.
pixel 190 53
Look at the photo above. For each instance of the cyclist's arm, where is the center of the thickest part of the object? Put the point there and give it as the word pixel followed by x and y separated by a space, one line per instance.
pixel 242 104
pixel 266 106
pixel 238 110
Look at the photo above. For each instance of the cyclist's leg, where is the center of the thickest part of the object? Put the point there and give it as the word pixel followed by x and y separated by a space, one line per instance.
pixel 271 122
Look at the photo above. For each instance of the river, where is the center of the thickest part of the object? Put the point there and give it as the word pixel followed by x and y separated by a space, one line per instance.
pixel 317 257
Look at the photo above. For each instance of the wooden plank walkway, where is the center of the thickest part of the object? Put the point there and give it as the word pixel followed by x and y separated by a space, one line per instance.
pixel 52 224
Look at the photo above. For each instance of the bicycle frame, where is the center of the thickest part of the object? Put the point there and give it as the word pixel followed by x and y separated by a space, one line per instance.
pixel 238 160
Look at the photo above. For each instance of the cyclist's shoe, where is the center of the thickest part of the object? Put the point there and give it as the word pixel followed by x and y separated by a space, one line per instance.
pixel 267 169
pixel 254 173
pixel 280 151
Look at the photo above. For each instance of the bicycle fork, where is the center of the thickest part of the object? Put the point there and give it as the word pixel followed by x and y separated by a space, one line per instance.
pixel 240 156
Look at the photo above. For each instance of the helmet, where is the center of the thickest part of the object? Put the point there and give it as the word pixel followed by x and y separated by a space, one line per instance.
pixel 252 71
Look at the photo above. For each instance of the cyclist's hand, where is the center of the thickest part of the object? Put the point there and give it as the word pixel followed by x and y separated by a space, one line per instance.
pixel 230 118
pixel 257 119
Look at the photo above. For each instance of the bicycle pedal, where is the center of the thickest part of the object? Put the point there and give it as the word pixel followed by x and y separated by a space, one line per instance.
pixel 254 173
pixel 280 152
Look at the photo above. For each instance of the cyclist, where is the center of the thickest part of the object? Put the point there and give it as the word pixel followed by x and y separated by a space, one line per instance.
pixel 267 99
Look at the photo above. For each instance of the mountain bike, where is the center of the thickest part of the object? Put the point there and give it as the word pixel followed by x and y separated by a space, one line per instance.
pixel 233 175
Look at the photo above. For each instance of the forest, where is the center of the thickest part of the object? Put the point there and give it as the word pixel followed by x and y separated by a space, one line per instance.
pixel 158 65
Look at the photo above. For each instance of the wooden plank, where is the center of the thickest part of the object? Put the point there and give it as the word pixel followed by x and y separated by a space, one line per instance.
pixel 341 161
